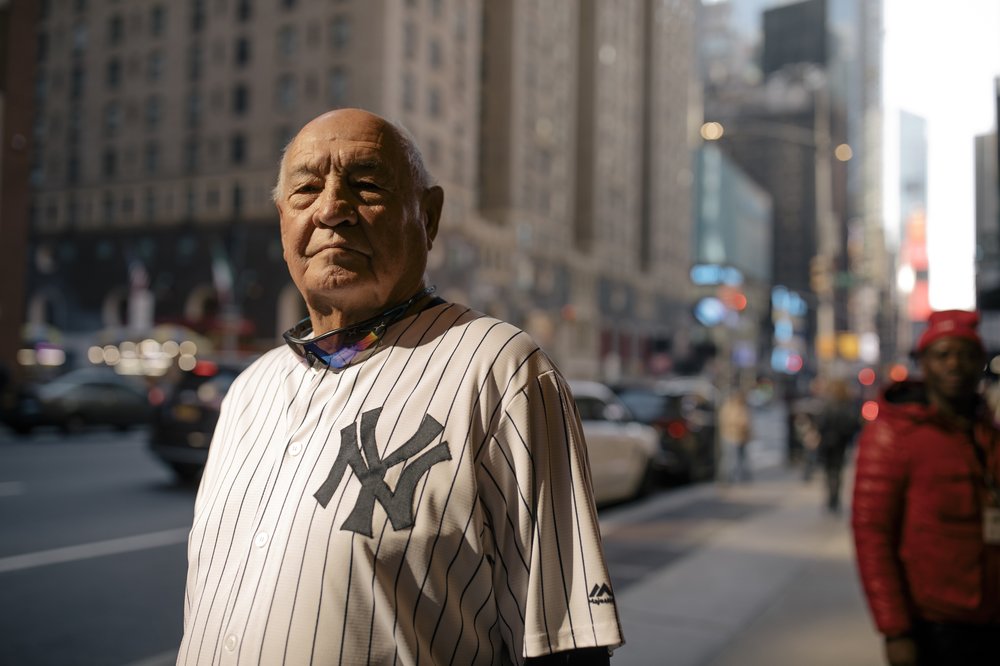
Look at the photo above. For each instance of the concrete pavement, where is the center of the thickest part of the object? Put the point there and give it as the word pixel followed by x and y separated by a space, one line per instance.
pixel 777 588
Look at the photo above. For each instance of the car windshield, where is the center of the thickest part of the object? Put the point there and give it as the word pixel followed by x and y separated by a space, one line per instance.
pixel 645 406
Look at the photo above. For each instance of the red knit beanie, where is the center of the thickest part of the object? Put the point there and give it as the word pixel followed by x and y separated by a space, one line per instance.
pixel 953 324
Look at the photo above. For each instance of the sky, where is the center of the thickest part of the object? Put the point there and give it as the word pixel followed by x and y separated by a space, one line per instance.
pixel 940 62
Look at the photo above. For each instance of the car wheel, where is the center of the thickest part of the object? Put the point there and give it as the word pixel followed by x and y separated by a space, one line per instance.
pixel 73 425
pixel 648 483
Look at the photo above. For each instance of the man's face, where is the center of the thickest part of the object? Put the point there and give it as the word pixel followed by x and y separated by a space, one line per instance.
pixel 355 229
pixel 952 368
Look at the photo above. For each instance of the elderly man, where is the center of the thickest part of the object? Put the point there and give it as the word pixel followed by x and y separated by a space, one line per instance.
pixel 405 481
pixel 927 508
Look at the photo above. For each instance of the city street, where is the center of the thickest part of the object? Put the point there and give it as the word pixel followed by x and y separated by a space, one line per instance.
pixel 92 554
pixel 92 549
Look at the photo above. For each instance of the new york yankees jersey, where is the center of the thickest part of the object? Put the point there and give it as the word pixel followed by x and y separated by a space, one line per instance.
pixel 430 504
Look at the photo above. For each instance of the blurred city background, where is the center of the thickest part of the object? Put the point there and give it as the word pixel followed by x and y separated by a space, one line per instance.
pixel 648 187
pixel 679 196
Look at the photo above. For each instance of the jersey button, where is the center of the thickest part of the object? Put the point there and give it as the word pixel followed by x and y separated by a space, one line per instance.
pixel 295 449
pixel 260 540
pixel 231 642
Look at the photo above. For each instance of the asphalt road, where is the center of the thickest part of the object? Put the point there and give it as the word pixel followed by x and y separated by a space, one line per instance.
pixel 92 550
pixel 93 531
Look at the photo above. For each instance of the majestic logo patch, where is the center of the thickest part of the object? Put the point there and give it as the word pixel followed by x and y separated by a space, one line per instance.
pixel 601 594
pixel 371 468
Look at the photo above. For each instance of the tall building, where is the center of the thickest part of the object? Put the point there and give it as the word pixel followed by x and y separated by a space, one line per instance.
pixel 559 133
pixel 913 264
pixel 16 89
pixel 809 134
pixel 988 238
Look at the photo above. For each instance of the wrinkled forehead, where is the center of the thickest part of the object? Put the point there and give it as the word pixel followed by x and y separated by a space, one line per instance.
pixel 342 137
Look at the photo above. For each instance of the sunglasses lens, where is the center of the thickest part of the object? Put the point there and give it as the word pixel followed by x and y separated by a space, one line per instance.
pixel 330 352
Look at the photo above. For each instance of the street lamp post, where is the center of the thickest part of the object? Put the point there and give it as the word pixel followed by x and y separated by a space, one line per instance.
pixel 827 245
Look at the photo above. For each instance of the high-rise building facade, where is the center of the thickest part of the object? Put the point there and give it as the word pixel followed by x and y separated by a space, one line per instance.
pixel 809 132
pixel 560 133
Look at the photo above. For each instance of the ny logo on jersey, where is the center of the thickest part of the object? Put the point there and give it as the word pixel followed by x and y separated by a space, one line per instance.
pixel 371 469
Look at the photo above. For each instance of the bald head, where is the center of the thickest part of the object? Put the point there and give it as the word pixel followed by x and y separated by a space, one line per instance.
pixel 395 133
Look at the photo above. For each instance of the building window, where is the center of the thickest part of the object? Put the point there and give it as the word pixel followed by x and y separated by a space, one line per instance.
pixel 153 112
pixel 114 73
pixel 112 118
pixel 154 66
pixel 340 32
pixel 76 79
pixel 285 92
pixel 127 206
pixel 108 205
pixel 409 40
pixel 194 61
pixel 287 39
pixel 150 205
pixel 436 8
pixel 157 21
pixel 194 109
pixel 79 38
pixel 242 51
pixel 288 4
pixel 237 195
pixel 191 155
pixel 73 170
pixel 241 99
pixel 116 29
pixel 237 149
pixel 109 163
pixel 190 202
pixel 409 92
pixel 244 10
pixel 42 47
pixel 212 198
pixel 152 158
pixel 197 15
pixel 337 93
pixel 434 103
pixel 435 54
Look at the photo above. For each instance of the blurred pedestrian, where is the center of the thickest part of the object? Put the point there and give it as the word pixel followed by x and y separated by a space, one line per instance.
pixel 406 481
pixel 736 429
pixel 837 425
pixel 926 508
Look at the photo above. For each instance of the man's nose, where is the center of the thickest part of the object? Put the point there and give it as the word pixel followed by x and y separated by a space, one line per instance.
pixel 333 207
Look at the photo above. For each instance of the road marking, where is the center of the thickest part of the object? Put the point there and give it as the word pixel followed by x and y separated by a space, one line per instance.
pixel 97 549
pixel 9 488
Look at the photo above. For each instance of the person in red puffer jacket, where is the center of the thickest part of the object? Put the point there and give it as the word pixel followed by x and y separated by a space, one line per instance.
pixel 926 509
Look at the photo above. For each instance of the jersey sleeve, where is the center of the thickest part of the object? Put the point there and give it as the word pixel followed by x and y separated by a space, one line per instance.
pixel 551 580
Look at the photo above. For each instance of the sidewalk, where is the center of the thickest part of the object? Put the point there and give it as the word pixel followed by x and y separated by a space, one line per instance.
pixel 776 589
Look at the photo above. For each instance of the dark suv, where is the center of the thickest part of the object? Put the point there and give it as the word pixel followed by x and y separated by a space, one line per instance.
pixel 183 424
pixel 682 409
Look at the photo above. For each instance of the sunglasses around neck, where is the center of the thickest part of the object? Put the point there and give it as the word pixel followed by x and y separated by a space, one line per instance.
pixel 338 348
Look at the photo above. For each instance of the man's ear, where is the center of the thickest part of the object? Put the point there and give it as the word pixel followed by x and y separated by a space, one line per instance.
pixel 432 203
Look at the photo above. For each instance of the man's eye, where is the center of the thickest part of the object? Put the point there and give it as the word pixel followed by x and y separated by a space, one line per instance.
pixel 367 185
pixel 308 188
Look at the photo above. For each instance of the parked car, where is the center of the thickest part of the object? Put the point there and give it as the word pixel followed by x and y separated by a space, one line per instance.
pixel 623 452
pixel 183 425
pixel 80 398
pixel 682 410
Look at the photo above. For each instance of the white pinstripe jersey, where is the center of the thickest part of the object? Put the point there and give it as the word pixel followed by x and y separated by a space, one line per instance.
pixel 429 505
